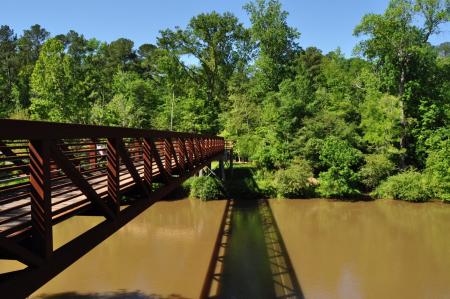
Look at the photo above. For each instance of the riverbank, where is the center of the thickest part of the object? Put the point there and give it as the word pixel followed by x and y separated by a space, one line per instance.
pixel 261 185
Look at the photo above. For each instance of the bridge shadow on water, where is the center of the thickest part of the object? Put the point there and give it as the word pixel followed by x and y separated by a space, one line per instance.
pixel 252 260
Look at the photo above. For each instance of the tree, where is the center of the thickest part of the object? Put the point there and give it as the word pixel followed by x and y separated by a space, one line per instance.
pixel 444 49
pixel 275 42
pixel 29 47
pixel 341 178
pixel 434 13
pixel 240 122
pixel 31 42
pixel 220 45
pixel 309 63
pixel 438 169
pixel 133 104
pixel 51 85
pixel 120 54
pixel 147 55
pixel 8 69
pixel 399 47
pixel 380 121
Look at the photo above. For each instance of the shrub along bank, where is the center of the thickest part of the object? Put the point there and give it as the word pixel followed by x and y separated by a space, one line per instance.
pixel 205 188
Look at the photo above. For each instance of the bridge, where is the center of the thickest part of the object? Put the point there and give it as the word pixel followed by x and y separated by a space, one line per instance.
pixel 50 172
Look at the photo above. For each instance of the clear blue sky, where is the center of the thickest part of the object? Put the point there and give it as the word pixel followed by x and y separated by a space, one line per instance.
pixel 325 24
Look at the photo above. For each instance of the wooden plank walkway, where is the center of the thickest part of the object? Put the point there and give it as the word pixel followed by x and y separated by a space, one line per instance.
pixel 61 169
pixel 66 200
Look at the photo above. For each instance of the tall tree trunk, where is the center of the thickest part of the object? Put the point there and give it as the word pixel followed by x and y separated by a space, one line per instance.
pixel 401 92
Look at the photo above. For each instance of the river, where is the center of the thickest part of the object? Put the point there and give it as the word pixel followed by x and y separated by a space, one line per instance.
pixel 305 248
pixel 162 253
pixel 377 249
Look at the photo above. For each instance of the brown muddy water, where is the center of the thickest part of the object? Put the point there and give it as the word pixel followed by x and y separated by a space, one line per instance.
pixel 270 249
pixel 162 253
pixel 379 249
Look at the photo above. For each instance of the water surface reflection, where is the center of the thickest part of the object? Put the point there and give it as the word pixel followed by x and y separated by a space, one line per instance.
pixel 379 249
pixel 162 253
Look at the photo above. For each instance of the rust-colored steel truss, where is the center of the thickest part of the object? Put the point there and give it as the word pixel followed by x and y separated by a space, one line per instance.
pixel 50 172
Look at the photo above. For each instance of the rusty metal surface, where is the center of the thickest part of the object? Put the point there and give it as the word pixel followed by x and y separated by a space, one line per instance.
pixel 24 129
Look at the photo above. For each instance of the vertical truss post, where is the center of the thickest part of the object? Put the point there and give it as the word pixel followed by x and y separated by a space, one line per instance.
pixel 167 156
pixel 180 152
pixel 191 150
pixel 93 154
pixel 40 193
pixel 186 154
pixel 147 155
pixel 113 168
pixel 197 143
pixel 201 146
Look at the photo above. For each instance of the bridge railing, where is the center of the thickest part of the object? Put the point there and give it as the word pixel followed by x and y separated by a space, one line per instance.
pixel 52 171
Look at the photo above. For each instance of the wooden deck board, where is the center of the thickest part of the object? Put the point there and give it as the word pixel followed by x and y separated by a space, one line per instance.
pixel 73 196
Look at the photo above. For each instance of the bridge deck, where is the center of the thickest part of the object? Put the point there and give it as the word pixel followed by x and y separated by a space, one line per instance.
pixel 102 162
pixel 67 200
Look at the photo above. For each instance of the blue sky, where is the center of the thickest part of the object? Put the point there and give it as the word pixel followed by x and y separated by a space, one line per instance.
pixel 326 24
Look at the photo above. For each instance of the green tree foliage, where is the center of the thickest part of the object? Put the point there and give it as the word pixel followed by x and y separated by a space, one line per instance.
pixel 399 48
pixel 342 160
pixel 220 45
pixel 354 121
pixel 240 122
pixel 339 153
pixel 275 41
pixel 206 188
pixel 438 170
pixel 444 49
pixel 8 69
pixel 409 185
pixel 51 85
pixel 133 104
pixel 377 168
pixel 294 181
pixel 29 47
pixel 380 121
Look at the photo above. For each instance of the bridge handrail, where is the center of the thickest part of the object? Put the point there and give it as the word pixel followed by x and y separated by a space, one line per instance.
pixel 26 129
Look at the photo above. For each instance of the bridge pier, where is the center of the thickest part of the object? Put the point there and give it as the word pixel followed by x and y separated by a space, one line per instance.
pixel 228 156
pixel 222 168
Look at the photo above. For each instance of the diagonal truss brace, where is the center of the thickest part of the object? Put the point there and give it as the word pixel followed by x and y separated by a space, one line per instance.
pixel 75 176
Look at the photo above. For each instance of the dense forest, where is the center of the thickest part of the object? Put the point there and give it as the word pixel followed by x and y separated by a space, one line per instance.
pixel 377 122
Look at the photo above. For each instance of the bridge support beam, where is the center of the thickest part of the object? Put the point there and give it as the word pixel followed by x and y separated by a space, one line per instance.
pixel 222 168
pixel 113 168
pixel 147 155
pixel 167 156
pixel 202 171
pixel 40 193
